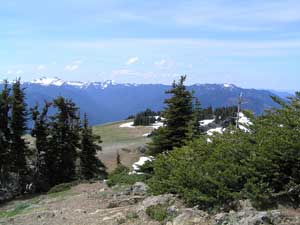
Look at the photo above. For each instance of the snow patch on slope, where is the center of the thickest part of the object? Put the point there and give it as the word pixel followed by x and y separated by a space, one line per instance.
pixel 219 130
pixel 206 122
pixel 244 122
pixel 127 125
pixel 137 165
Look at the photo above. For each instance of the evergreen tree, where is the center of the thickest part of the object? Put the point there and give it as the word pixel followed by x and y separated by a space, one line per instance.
pixel 195 122
pixel 18 129
pixel 41 134
pixel 4 129
pixel 63 142
pixel 178 115
pixel 91 166
pixel 145 118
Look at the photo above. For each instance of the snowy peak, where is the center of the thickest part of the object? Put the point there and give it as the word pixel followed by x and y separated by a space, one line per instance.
pixel 217 86
pixel 228 85
pixel 55 81
pixel 45 81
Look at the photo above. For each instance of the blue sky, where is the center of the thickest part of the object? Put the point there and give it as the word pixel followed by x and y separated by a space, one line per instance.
pixel 250 43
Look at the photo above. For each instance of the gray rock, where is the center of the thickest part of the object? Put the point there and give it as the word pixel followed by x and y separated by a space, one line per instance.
pixel 156 200
pixel 142 149
pixel 139 188
pixel 191 217
pixel 172 210
pixel 248 217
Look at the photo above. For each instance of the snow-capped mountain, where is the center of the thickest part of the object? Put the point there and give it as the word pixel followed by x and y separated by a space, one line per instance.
pixel 45 81
pixel 110 101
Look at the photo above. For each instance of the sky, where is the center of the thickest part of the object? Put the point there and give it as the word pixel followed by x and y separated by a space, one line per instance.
pixel 253 43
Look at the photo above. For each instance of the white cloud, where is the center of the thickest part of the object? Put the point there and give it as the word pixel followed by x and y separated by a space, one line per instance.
pixel 19 72
pixel 9 72
pixel 71 67
pixel 165 64
pixel 41 67
pixel 132 60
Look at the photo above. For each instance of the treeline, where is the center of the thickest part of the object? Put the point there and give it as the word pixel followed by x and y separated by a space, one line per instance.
pixel 65 147
pixel 219 114
pixel 145 118
pixel 262 165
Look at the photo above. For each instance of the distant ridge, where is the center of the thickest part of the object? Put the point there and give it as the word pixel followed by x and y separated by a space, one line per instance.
pixel 110 101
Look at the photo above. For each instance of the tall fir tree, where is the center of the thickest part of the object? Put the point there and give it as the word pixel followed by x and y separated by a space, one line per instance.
pixel 18 130
pixel 178 116
pixel 91 166
pixel 41 133
pixel 63 142
pixel 4 129
pixel 195 129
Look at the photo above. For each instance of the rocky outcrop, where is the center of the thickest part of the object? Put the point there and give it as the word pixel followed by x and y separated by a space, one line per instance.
pixel 246 215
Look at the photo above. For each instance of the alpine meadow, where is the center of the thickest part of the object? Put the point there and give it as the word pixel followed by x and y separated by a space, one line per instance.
pixel 150 112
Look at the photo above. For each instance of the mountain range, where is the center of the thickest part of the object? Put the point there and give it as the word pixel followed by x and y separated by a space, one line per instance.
pixel 109 101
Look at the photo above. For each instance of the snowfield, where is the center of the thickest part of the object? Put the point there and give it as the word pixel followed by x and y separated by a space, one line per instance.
pixel 219 130
pixel 127 125
pixel 206 122
pixel 137 165
pixel 146 135
pixel 155 125
pixel 244 122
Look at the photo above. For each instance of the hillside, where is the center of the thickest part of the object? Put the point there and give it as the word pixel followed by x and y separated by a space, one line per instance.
pixel 124 140
pixel 108 101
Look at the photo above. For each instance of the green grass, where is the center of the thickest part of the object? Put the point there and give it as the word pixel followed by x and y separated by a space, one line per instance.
pixel 157 212
pixel 19 209
pixel 112 134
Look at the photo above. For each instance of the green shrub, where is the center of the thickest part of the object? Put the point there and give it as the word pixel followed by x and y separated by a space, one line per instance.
pixel 210 175
pixel 157 212
pixel 121 176
pixel 62 187
pixel 262 165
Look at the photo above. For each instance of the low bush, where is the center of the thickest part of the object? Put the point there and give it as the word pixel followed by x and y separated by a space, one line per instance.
pixel 62 187
pixel 121 176
pixel 262 165
pixel 157 212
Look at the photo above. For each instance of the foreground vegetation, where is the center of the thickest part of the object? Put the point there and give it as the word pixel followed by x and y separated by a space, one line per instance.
pixel 262 164
pixel 65 147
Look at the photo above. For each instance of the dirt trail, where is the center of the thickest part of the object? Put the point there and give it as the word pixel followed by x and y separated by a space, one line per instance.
pixel 84 204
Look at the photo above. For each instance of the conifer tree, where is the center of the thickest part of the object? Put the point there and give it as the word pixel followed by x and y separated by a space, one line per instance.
pixel 91 166
pixel 4 129
pixel 41 134
pixel 195 122
pixel 63 142
pixel 18 129
pixel 178 115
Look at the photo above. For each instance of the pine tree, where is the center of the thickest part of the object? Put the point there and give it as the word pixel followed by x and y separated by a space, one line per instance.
pixel 4 129
pixel 63 142
pixel 18 129
pixel 178 115
pixel 195 122
pixel 91 166
pixel 41 134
